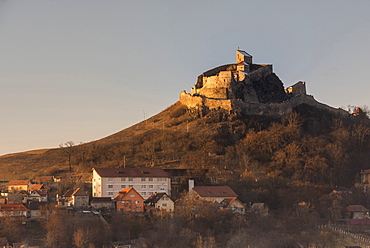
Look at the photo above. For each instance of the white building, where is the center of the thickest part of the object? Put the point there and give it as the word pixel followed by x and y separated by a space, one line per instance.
pixel 107 182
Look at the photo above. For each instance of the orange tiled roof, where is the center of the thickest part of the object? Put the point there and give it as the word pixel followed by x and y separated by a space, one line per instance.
pixel 12 207
pixel 35 186
pixel 18 182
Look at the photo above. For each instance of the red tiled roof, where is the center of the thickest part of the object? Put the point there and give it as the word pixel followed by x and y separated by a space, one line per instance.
pixel 131 172
pixel 35 186
pixel 124 192
pixel 12 207
pixel 18 182
pixel 215 191
pixel 357 208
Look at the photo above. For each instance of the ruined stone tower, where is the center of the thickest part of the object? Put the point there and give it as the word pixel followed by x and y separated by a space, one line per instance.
pixel 244 87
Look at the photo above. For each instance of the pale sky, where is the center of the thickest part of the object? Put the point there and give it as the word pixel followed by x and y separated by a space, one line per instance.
pixel 80 70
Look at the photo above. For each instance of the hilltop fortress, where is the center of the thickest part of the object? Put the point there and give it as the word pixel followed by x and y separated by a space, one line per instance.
pixel 252 89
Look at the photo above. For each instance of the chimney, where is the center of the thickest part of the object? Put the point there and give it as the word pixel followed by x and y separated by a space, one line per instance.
pixel 191 184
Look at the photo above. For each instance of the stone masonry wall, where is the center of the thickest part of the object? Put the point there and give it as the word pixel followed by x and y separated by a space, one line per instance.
pixel 269 109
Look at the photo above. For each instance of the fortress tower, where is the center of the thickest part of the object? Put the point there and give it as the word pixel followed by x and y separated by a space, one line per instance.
pixel 243 86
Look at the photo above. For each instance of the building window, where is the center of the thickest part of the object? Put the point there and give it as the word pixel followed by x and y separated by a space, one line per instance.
pixel 131 179
pixel 130 186
pixel 137 202
pixel 143 186
pixel 123 186
pixel 165 198
pixel 150 179
pixel 143 193
pixel 150 193
pixel 123 179
pixel 164 204
pixel 143 179
pixel 150 186
pixel 110 179
pixel 132 195
pixel 123 202
pixel 110 193
pixel 110 186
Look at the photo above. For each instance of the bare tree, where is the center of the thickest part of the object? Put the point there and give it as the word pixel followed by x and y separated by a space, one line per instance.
pixel 68 148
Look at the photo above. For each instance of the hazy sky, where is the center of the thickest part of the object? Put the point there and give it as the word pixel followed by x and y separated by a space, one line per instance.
pixel 81 70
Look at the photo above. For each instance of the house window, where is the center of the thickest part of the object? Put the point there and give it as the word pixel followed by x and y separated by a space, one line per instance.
pixel 131 179
pixel 123 202
pixel 150 179
pixel 150 186
pixel 143 193
pixel 110 179
pixel 132 195
pixel 143 179
pixel 123 186
pixel 164 204
pixel 110 193
pixel 123 179
pixel 110 186
pixel 143 186
pixel 165 198
pixel 137 202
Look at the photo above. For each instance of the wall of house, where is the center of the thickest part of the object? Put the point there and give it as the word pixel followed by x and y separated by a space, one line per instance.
pixel 80 201
pixel 132 202
pixel 109 187
pixel 102 205
pixel 165 203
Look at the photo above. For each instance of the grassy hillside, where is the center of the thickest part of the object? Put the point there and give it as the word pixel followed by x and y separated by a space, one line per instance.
pixel 227 143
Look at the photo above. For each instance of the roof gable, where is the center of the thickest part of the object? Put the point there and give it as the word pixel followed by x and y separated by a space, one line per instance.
pixel 154 198
pixel 126 192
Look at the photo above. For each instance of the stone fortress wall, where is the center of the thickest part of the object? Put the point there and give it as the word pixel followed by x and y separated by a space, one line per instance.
pixel 217 88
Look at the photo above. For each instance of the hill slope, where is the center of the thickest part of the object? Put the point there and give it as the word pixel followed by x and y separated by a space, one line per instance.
pixel 308 144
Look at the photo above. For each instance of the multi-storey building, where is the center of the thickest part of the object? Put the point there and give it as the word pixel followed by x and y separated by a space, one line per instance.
pixel 107 182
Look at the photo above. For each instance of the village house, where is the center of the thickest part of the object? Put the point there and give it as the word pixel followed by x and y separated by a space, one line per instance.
pixel 18 210
pixel 17 185
pixel 358 214
pixel 234 205
pixel 213 193
pixel 365 179
pixel 129 200
pixel 74 198
pixel 37 195
pixel 107 182
pixel 159 201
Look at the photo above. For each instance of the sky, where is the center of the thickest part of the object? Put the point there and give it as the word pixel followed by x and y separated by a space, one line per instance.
pixel 82 70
